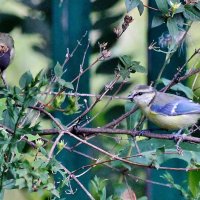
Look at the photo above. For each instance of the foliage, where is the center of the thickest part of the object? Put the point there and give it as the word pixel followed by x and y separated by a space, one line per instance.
pixel 98 189
pixel 29 150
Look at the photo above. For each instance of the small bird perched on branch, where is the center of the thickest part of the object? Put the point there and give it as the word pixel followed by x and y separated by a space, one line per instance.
pixel 165 110
pixel 6 53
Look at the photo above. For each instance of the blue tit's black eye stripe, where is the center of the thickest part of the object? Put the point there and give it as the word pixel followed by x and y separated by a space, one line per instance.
pixel 139 94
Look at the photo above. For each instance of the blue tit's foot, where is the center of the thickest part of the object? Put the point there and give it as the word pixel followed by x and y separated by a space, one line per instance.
pixel 178 139
pixel 142 132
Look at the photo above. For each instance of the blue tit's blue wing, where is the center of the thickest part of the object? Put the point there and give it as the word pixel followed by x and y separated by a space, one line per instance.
pixel 173 108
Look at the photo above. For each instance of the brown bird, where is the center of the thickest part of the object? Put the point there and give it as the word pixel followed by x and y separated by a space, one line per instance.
pixel 7 52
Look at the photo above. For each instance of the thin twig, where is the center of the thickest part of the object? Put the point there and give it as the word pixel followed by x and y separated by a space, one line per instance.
pixel 81 65
pixel 108 88
pixel 78 182
pixel 107 103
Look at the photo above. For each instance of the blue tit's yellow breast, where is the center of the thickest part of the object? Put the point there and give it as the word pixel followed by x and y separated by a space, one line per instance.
pixel 171 122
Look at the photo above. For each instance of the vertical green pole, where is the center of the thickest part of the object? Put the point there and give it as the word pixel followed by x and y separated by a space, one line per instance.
pixel 155 62
pixel 70 21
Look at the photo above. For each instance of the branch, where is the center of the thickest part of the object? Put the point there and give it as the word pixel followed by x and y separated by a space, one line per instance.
pixel 92 131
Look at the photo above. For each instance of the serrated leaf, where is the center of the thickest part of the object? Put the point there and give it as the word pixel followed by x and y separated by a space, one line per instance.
pixel 59 100
pixel 103 194
pixel 25 79
pixel 72 106
pixel 172 27
pixel 162 6
pixel 191 13
pixel 66 84
pixel 157 21
pixel 58 70
pixel 131 4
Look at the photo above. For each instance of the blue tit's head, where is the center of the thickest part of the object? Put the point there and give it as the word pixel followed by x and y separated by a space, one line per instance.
pixel 142 95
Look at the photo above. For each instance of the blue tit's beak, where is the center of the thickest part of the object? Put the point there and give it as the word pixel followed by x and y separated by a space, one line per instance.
pixel 130 97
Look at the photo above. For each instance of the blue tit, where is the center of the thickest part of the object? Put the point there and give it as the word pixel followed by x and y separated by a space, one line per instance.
pixel 6 52
pixel 165 110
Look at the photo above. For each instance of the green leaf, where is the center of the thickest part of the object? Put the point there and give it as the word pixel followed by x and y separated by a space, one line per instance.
pixel 55 193
pixel 63 83
pixel 25 79
pixel 194 180
pixel 32 137
pixel 140 8
pixel 197 5
pixel 72 105
pixel 2 106
pixel 22 172
pixel 172 27
pixel 103 195
pixel 126 66
pixel 179 87
pixel 143 198
pixel 59 100
pixel 137 67
pixel 134 118
pixel 131 4
pixel 121 165
pixel 157 21
pixel 154 152
pixel 21 183
pixel 162 6
pixel 58 70
pixel 9 184
pixel 191 13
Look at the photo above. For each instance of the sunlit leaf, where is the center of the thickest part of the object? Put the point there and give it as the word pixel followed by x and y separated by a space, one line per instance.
pixel 58 70
pixel 162 5
pixel 172 27
pixel 32 137
pixel 65 84
pixel 131 4
pixel 157 21
pixel 179 87
pixel 25 79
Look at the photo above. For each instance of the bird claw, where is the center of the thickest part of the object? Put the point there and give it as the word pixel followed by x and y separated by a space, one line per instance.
pixel 142 132
pixel 179 149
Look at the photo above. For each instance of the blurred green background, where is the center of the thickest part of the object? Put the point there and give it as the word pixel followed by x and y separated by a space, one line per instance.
pixel 30 24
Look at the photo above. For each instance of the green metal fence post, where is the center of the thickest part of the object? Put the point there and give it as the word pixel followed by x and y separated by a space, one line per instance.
pixel 155 62
pixel 70 21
